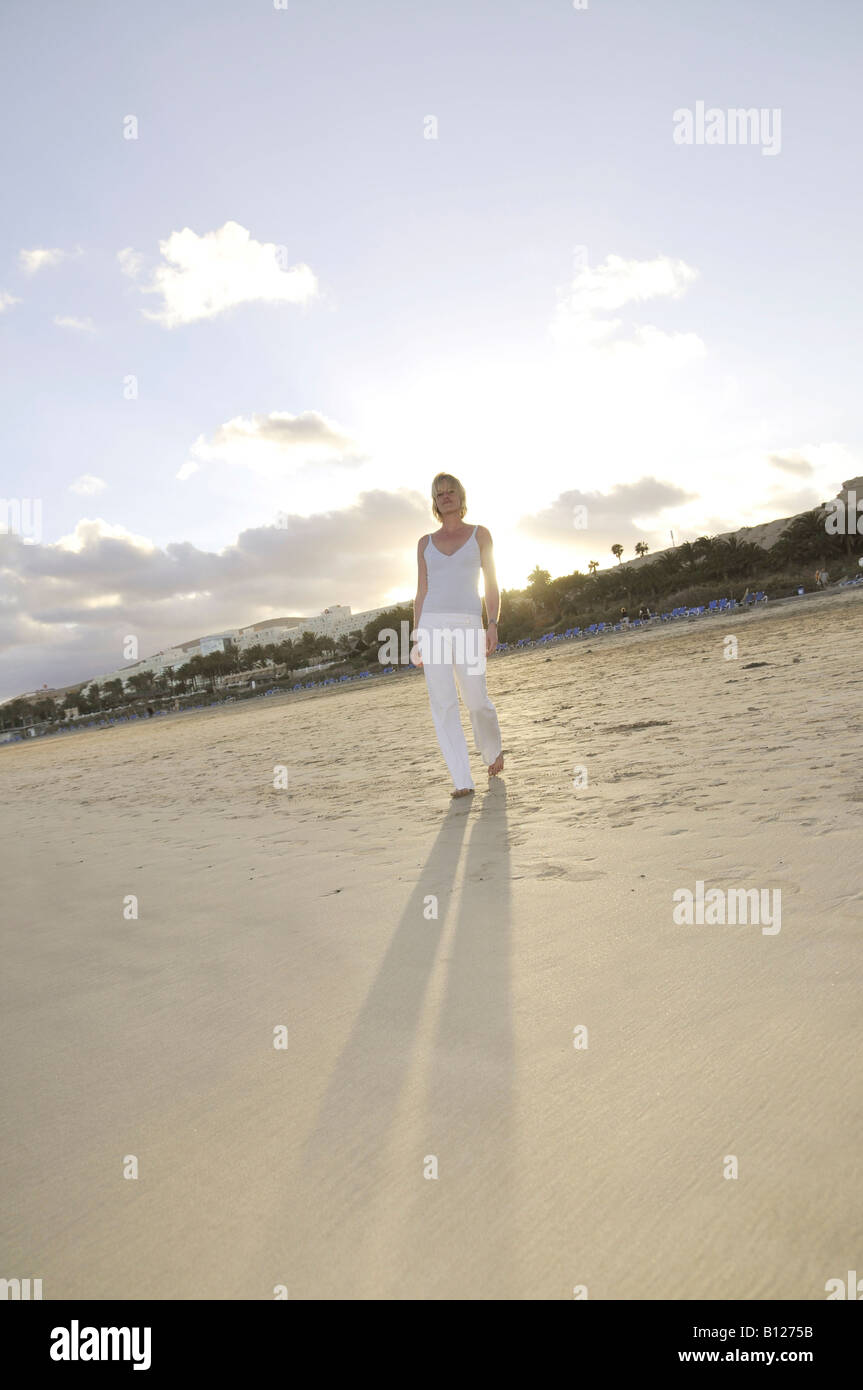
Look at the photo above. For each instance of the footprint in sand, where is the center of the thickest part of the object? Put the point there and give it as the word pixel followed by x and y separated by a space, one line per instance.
pixel 848 905
pixel 559 871
pixel 637 727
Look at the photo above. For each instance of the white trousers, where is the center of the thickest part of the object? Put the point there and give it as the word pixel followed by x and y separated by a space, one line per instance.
pixel 452 647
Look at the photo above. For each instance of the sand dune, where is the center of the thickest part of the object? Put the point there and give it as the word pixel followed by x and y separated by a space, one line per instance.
pixel 412 1036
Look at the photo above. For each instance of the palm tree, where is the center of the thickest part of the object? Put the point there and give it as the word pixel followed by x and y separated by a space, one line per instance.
pixel 702 545
pixel 687 555
pixel 92 697
pixel 349 644
pixel 112 692
pixel 737 556
pixel 804 539
pixel 667 566
pixel 642 548
pixel 141 683
pixel 593 566
pixel 618 551
pixel 539 580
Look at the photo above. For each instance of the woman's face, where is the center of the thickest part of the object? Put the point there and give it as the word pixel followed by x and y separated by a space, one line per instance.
pixel 447 497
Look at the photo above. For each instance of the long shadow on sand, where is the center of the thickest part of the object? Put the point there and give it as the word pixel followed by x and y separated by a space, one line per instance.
pixel 467 1120
pixel 347 1145
pixel 458 1238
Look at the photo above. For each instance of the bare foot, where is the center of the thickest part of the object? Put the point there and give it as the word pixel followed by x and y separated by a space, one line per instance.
pixel 496 766
pixel 463 791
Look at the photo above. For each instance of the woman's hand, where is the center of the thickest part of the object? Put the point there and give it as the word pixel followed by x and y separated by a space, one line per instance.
pixel 490 638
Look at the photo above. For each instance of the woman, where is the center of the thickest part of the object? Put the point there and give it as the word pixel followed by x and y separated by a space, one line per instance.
pixel 452 644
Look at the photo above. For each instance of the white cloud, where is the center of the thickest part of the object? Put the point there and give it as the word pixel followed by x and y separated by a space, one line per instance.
pixel 784 501
pixel 130 260
pixel 792 463
pixel 583 525
pixel 88 483
pixel 624 504
pixel 108 582
pixel 593 293
pixel 83 325
pixel 6 300
pixel 207 275
pixel 615 386
pixel 728 497
pixel 38 258
pixel 102 601
pixel 90 531
pixel 829 460
pixel 274 445
pixel 617 282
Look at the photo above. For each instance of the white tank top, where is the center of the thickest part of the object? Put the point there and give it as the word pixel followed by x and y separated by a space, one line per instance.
pixel 453 580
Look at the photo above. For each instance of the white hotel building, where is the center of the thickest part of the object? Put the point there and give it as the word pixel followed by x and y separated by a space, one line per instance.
pixel 334 622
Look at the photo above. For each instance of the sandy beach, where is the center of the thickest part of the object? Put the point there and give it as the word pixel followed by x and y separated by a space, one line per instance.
pixel 414 1037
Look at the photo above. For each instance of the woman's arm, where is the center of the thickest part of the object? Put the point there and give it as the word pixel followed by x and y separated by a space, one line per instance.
pixel 422 580
pixel 492 592
pixel 422 590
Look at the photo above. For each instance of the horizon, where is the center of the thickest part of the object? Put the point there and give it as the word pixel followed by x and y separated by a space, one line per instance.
pixel 298 619
pixel 506 261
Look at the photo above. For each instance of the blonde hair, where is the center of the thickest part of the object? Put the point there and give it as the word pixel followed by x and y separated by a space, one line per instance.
pixel 462 497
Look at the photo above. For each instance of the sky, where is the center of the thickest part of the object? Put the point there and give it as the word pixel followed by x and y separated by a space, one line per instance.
pixel 266 268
